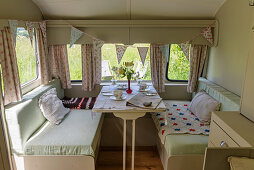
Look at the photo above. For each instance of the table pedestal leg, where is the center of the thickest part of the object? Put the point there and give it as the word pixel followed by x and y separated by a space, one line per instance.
pixel 133 144
pixel 129 116
pixel 124 144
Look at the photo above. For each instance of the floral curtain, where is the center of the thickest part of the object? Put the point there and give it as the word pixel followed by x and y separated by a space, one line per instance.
pixel 43 55
pixel 12 87
pixel 158 68
pixel 59 66
pixel 198 54
pixel 91 67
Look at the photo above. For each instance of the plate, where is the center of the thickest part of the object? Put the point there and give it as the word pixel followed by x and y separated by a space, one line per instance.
pixel 144 90
pixel 107 94
pixel 106 91
pixel 121 87
pixel 114 98
pixel 151 94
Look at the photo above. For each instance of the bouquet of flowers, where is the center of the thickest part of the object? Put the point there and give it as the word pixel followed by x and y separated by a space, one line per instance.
pixel 126 70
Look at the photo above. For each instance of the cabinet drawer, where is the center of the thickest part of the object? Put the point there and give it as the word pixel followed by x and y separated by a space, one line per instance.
pixel 218 137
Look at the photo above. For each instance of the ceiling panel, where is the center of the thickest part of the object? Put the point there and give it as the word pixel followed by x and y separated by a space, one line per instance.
pixel 83 9
pixel 168 9
pixel 129 9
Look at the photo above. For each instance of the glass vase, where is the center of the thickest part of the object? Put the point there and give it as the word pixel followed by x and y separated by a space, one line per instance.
pixel 129 91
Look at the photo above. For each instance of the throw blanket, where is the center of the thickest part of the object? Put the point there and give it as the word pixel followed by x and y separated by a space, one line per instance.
pixel 79 103
pixel 179 120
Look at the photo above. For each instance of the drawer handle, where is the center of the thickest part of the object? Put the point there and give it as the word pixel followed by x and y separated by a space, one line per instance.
pixel 223 144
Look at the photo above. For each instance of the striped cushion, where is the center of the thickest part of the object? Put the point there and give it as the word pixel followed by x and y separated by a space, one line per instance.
pixel 79 103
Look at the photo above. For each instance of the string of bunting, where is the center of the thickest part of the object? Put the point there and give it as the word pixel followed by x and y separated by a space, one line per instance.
pixel 185 46
pixel 206 33
pixel 97 43
pixel 30 25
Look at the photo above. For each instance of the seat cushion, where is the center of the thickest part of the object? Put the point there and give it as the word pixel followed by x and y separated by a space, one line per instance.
pixel 25 117
pixel 52 107
pixel 202 105
pixel 79 102
pixel 182 144
pixel 185 144
pixel 78 134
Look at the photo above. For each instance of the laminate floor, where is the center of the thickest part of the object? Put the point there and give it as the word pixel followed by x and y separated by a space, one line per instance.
pixel 144 160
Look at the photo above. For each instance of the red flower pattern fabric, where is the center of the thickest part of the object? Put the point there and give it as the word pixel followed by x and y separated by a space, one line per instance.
pixel 43 56
pixel 198 55
pixel 158 68
pixel 12 87
pixel 59 65
pixel 91 68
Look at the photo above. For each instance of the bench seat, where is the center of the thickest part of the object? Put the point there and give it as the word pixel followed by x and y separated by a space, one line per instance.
pixel 182 144
pixel 78 134
pixel 185 144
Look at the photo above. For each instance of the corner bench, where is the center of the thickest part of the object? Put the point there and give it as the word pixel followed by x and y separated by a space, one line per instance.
pixel 185 151
pixel 38 144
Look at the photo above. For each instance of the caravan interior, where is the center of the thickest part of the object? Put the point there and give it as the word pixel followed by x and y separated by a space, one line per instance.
pixel 126 84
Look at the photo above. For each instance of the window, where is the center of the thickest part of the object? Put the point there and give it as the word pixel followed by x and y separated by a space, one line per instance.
pixel 26 57
pixel 75 63
pixel 178 65
pixel 109 60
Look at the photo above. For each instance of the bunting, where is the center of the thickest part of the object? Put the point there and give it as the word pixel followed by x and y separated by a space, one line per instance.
pixel 120 50
pixel 75 35
pixel 207 34
pixel 43 28
pixel 142 53
pixel 185 47
pixel 13 26
pixel 165 51
pixel 30 30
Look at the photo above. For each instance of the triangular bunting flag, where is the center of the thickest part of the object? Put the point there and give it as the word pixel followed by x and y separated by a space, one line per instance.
pixel 13 26
pixel 185 47
pixel 75 35
pixel 120 50
pixel 142 53
pixel 207 34
pixel 43 28
pixel 30 30
pixel 165 51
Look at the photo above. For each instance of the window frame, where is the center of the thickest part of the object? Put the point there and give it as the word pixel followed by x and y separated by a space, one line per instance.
pixel 36 61
pixel 167 66
pixel 75 81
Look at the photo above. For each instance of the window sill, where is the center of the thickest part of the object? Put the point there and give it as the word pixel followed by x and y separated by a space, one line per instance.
pixel 30 86
pixel 108 83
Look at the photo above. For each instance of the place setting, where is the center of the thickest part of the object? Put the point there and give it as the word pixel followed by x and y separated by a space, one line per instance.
pixel 143 87
pixel 118 95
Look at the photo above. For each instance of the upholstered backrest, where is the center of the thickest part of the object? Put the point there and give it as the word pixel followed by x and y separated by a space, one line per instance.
pixel 229 101
pixel 25 117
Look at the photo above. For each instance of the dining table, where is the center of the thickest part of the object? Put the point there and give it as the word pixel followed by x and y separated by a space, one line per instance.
pixel 106 103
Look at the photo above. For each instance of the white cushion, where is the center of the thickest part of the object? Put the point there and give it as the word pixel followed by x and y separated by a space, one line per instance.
pixel 52 107
pixel 202 105
pixel 238 163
